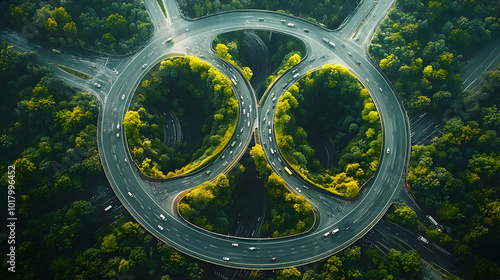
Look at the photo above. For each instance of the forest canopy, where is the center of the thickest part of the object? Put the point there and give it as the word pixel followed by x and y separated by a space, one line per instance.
pixel 201 97
pixel 457 178
pixel 116 27
pixel 422 46
pixel 304 115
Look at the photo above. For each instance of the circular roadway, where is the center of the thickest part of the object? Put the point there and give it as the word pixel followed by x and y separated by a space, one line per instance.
pixel 353 219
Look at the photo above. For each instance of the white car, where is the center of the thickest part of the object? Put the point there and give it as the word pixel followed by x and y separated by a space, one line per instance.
pixel 388 150
pixel 144 65
pixel 234 244
pixel 123 96
pixel 118 135
pixel 97 85
pixel 251 248
pixel 225 258
pixel 160 227
pixel 130 194
pixel 335 231
pixel 163 217
pixel 423 239
pixel 298 190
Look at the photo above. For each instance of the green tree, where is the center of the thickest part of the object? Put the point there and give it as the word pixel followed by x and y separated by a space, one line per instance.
pixel 290 273
pixel 410 262
pixel 333 269
pixel 109 243
pixel 138 255
pixel 405 215
pixel 70 29
pixel 195 272
pixel 116 24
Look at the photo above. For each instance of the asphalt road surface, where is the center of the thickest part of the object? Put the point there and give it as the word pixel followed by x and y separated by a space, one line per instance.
pixel 119 77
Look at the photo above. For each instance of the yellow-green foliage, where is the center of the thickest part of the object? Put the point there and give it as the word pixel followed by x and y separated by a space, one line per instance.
pixel 298 154
pixel 222 51
pixel 150 154
pixel 290 63
pixel 205 197
pixel 207 157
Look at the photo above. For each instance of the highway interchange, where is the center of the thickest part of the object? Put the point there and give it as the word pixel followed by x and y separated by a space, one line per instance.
pixel 195 37
pixel 119 78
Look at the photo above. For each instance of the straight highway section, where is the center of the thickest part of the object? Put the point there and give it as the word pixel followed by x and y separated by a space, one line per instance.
pixel 148 200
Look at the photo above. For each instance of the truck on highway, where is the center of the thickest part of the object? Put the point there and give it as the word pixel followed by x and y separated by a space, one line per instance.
pixel 331 44
pixel 439 227
pixel 288 171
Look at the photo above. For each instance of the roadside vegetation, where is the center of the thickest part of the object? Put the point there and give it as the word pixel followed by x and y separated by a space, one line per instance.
pixel 202 99
pixel 223 52
pixel 48 132
pixel 74 72
pixel 207 205
pixel 289 214
pixel 331 14
pixel 215 206
pixel 457 177
pixel 329 103
pixel 356 262
pixel 117 27
pixel 283 52
pixel 423 46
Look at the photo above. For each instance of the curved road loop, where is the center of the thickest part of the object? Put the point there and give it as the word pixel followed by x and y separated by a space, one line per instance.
pixel 119 77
